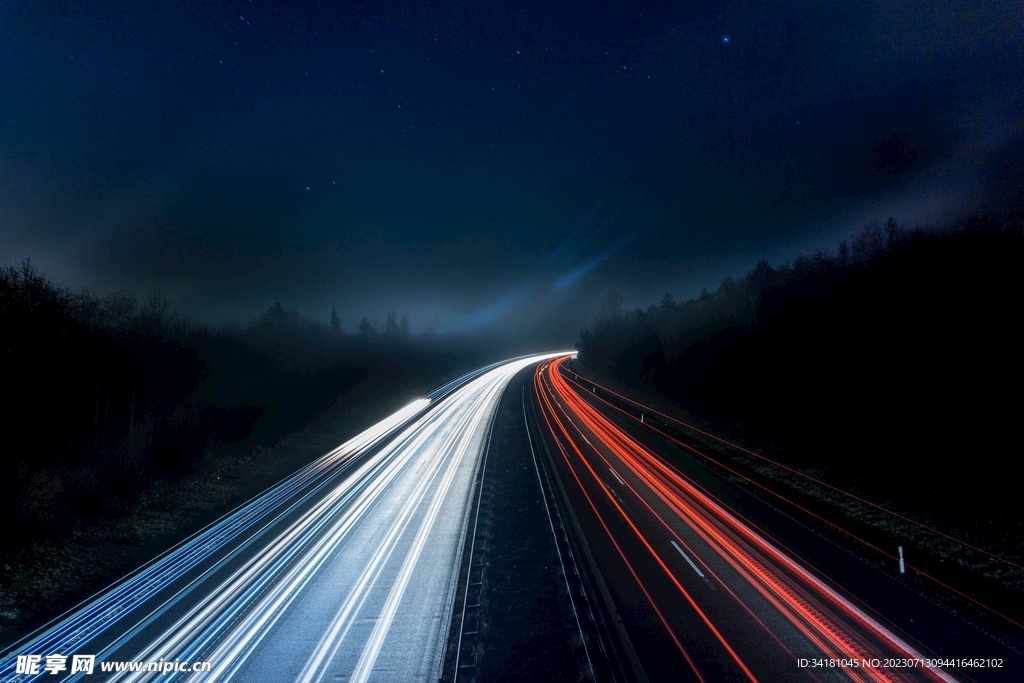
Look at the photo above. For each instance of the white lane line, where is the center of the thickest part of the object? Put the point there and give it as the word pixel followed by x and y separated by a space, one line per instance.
pixel 688 560
pixel 616 475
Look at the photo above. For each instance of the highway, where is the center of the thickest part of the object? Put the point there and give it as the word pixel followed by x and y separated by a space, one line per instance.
pixel 344 571
pixel 706 589
pixel 593 556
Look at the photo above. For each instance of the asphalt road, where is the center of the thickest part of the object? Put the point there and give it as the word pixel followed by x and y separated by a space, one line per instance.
pixel 527 608
pixel 714 584
pixel 344 571
pixel 510 525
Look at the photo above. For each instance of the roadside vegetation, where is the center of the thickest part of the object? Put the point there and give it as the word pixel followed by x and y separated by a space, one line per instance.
pixel 105 398
pixel 124 428
pixel 891 368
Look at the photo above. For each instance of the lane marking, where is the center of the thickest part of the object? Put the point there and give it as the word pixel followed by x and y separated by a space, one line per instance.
pixel 551 525
pixel 616 475
pixel 688 560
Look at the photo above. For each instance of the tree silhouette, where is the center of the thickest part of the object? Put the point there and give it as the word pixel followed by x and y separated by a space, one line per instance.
pixel 367 329
pixel 101 393
pixel 610 310
pixel 869 355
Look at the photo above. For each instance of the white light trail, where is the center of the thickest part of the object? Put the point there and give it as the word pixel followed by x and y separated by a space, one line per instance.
pixel 349 574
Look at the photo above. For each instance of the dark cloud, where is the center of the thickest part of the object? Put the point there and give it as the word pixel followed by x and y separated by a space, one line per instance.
pixel 447 157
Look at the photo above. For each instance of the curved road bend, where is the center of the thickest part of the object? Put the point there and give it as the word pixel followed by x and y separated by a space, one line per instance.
pixel 344 571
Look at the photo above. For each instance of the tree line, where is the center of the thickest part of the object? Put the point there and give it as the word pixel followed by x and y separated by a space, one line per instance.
pixel 104 395
pixel 894 361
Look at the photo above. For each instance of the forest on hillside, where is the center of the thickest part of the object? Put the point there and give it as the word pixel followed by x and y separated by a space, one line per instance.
pixel 102 396
pixel 894 362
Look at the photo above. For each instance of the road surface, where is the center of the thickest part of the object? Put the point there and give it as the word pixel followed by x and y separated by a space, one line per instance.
pixel 708 588
pixel 590 554
pixel 345 571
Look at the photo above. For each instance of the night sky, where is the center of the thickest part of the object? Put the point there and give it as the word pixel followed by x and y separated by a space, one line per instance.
pixel 500 164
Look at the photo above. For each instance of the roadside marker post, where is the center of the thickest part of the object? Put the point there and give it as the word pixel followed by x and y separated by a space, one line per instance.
pixel 902 569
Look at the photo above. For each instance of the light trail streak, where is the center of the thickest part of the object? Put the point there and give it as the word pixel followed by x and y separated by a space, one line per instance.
pixel 77 629
pixel 611 536
pixel 927 575
pixel 360 548
pixel 798 473
pixel 820 618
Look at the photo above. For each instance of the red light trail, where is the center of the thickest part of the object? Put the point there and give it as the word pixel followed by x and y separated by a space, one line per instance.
pixel 795 607
pixel 648 425
pixel 798 473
